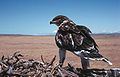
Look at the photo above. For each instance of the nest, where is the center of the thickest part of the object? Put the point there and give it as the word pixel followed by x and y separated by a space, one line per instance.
pixel 17 66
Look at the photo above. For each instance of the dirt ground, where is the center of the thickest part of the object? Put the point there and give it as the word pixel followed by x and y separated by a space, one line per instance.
pixel 32 47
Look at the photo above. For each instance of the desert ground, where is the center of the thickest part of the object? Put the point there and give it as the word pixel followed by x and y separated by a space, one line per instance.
pixel 32 47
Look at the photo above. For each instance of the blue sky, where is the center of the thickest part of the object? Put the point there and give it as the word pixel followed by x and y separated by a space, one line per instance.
pixel 33 16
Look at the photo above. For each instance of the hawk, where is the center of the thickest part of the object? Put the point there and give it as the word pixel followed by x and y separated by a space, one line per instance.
pixel 76 39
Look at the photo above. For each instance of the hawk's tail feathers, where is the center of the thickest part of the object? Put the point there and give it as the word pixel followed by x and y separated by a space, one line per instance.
pixel 107 61
pixel 100 59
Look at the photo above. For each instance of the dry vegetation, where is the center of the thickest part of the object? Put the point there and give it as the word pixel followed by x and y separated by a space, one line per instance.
pixel 34 46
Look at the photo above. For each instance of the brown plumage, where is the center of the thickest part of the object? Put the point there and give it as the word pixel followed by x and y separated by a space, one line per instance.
pixel 77 39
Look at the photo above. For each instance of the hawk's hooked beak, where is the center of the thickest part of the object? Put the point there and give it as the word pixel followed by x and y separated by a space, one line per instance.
pixel 52 22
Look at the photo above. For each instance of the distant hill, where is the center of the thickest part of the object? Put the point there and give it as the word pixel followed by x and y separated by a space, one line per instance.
pixel 14 35
pixel 106 33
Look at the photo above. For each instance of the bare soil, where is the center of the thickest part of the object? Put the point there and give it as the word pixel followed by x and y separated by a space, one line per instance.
pixel 34 46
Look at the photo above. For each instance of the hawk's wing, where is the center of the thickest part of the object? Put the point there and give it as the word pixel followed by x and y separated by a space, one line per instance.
pixel 86 31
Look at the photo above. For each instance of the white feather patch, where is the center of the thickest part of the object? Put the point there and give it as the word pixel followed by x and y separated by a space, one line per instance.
pixel 91 48
pixel 72 40
pixel 81 40
pixel 79 52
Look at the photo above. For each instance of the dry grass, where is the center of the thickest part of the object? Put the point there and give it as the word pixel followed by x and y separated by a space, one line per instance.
pixel 35 46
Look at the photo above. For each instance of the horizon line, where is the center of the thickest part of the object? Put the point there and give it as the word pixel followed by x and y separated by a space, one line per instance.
pixel 48 34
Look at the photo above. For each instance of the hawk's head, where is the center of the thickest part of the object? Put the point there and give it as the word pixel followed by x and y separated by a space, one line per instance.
pixel 59 20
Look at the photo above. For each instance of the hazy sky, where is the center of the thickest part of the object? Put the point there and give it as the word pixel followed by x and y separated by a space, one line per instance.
pixel 33 16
